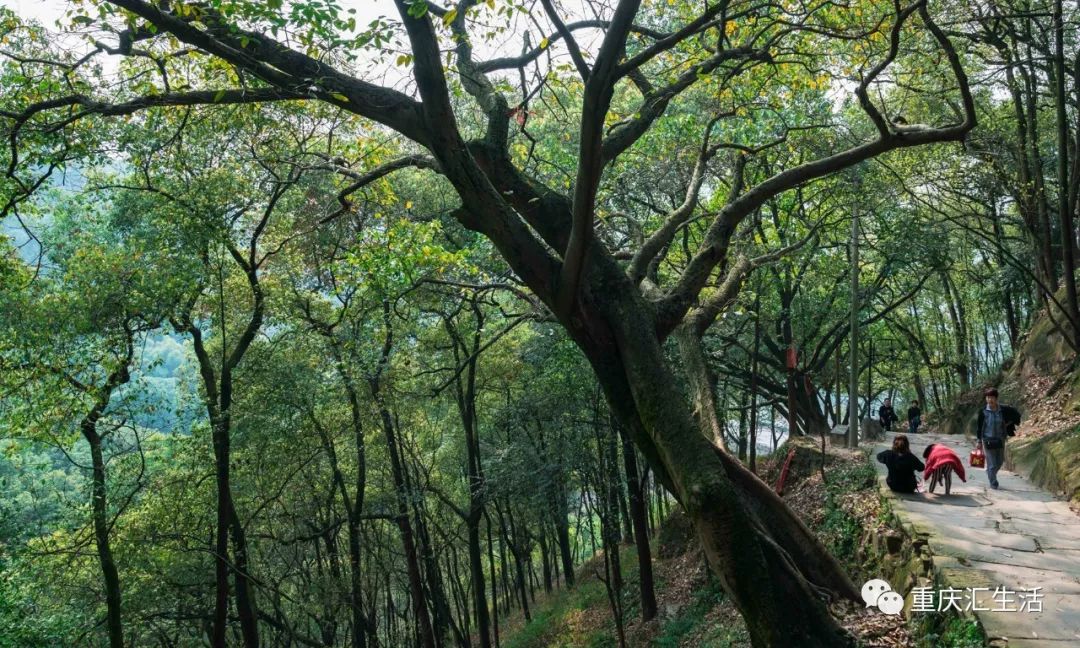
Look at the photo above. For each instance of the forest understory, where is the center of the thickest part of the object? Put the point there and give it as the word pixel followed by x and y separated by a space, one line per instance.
pixel 693 609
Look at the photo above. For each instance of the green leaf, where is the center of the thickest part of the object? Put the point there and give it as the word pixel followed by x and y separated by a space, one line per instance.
pixel 418 9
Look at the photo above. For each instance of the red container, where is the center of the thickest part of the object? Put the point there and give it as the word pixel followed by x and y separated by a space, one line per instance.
pixel 977 458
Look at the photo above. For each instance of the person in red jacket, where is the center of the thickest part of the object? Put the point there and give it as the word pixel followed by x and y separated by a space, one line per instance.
pixel 941 463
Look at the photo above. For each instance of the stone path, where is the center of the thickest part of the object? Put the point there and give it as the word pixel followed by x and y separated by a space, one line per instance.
pixel 1019 537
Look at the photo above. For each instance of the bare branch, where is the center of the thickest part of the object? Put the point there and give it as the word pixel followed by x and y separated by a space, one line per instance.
pixel 571 44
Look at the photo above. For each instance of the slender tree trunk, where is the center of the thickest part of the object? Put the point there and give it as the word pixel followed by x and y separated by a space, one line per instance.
pixel 99 492
pixel 442 623
pixel 611 479
pixel 494 580
pixel 1027 196
pixel 397 472
pixel 1038 182
pixel 839 417
pixel 519 560
pixel 744 406
pixel 545 558
pixel 99 504
pixel 634 486
pixel 754 383
pixel 1006 295
pixel 1068 234
pixel 608 473
pixel 412 561
pixel 218 399
pixel 109 573
pixel 562 530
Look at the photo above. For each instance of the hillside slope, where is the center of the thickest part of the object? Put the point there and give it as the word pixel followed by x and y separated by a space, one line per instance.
pixel 693 609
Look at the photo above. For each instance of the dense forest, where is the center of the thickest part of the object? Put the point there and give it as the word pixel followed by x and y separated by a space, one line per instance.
pixel 360 324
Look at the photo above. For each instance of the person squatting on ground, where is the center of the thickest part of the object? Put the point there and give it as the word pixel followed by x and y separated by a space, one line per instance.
pixel 902 465
pixel 995 424
pixel 914 417
pixel 941 463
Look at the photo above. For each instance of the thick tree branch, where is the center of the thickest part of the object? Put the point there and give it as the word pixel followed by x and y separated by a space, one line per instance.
pixel 676 217
pixel 599 89
pixel 287 69
pixel 483 207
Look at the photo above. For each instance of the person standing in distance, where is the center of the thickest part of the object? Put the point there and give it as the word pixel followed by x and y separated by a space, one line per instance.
pixel 995 424
pixel 914 417
pixel 886 415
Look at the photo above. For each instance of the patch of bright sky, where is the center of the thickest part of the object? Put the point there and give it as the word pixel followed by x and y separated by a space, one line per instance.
pixel 49 11
pixel 492 37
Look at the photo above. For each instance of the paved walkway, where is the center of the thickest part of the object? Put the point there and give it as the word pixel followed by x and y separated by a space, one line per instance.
pixel 1019 537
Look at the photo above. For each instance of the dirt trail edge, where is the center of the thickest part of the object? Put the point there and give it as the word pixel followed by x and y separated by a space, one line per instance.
pixel 1017 538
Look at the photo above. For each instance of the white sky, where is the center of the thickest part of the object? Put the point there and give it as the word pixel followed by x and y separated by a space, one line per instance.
pixel 48 11
pixel 373 65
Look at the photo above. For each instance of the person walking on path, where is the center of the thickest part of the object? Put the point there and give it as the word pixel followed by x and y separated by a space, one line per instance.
pixel 941 463
pixel 995 424
pixel 886 415
pixel 902 465
pixel 914 417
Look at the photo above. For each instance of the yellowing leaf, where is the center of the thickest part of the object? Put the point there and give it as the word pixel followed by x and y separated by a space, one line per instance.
pixel 544 42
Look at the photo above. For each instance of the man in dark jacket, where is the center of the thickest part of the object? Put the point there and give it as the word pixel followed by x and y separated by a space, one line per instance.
pixel 886 415
pixel 995 424
pixel 914 417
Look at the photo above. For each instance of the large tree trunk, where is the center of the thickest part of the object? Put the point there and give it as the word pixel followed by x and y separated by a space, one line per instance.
pixel 766 559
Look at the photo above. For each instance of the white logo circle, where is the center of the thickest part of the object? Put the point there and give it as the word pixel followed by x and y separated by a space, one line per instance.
pixel 872 589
